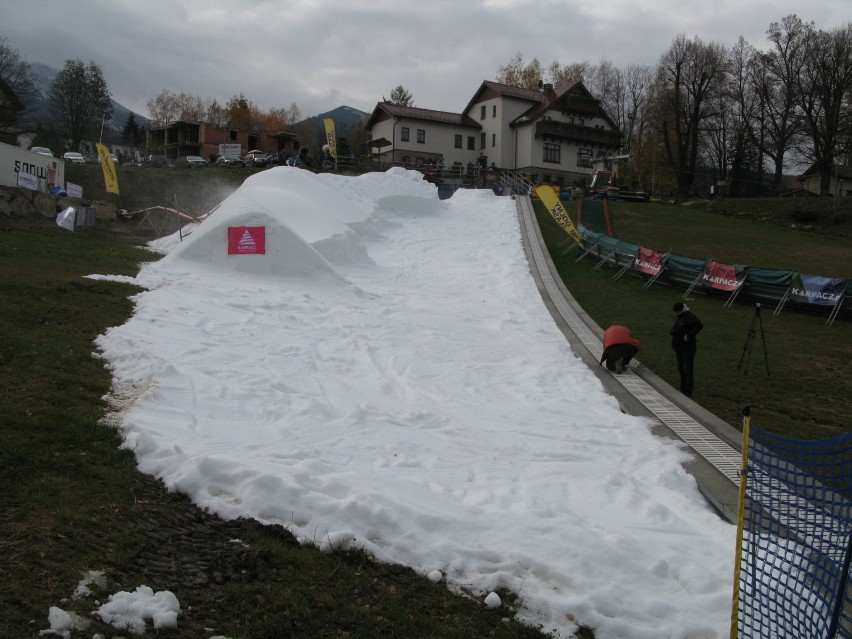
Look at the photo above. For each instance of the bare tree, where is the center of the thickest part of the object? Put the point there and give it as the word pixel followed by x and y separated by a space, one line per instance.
pixel 163 108
pixel 623 94
pixel 559 73
pixel 167 107
pixel 731 146
pixel 294 114
pixel 608 84
pixel 774 75
pixel 518 73
pixel 638 80
pixel 80 100
pixel 824 85
pixel 688 75
pixel 18 76
pixel 529 75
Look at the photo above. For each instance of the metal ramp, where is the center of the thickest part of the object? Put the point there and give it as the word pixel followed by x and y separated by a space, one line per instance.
pixel 716 467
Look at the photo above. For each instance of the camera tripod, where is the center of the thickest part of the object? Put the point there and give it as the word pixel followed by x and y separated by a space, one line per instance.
pixel 756 323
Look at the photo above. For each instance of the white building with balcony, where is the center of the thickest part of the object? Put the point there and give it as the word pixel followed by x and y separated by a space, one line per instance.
pixel 551 134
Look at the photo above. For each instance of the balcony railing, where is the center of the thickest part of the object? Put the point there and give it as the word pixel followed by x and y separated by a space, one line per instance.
pixel 575 133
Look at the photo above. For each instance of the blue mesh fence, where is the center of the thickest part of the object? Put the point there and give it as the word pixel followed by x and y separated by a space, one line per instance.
pixel 795 551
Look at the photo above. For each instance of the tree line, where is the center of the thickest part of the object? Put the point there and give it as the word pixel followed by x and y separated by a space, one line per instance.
pixel 742 115
pixel 238 112
pixel 79 103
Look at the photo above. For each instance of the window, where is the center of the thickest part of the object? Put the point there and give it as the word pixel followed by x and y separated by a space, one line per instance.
pixel 471 142
pixel 421 136
pixel 232 133
pixel 482 140
pixel 493 139
pixel 494 111
pixel 458 141
pixel 482 112
pixel 552 153
pixel 403 134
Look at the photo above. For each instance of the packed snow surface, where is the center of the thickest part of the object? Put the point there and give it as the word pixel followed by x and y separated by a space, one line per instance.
pixel 385 375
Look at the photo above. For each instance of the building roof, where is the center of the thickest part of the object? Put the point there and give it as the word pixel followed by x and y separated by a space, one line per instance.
pixel 842 171
pixel 489 89
pixel 568 96
pixel 385 110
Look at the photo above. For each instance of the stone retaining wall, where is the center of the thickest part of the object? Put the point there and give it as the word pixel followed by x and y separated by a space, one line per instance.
pixel 17 202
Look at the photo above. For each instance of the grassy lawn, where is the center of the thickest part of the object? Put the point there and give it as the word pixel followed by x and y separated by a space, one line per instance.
pixel 73 500
pixel 697 231
pixel 807 392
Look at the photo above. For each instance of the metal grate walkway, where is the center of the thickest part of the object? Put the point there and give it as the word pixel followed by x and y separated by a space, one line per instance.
pixel 720 486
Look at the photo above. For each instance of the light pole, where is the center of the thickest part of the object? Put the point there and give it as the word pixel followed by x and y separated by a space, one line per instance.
pixel 103 119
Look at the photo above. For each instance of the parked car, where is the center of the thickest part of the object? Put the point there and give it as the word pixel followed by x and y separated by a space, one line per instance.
pixel 156 161
pixel 256 158
pixel 195 160
pixel 42 150
pixel 74 157
pixel 229 160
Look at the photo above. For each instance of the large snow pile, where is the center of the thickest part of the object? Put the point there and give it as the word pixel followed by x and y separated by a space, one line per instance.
pixel 386 375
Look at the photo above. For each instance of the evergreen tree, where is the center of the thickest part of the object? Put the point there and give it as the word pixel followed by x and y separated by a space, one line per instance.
pixel 400 97
pixel 130 132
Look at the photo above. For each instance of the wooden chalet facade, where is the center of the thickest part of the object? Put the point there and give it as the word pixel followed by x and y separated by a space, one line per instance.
pixel 554 134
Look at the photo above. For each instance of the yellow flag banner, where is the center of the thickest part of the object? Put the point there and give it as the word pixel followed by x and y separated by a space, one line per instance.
pixel 107 166
pixel 330 137
pixel 554 206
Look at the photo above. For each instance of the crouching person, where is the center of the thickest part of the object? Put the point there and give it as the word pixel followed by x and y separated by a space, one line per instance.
pixel 619 347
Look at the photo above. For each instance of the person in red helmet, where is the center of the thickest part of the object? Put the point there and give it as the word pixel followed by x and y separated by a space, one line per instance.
pixel 619 347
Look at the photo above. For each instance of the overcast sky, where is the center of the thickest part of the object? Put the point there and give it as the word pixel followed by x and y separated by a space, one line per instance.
pixel 321 54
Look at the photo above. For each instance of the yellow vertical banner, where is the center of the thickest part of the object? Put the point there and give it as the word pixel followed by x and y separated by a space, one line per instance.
pixel 555 208
pixel 330 137
pixel 108 167
pixel 738 559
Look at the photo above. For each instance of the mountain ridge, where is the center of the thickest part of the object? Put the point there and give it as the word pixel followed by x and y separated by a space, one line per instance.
pixel 346 118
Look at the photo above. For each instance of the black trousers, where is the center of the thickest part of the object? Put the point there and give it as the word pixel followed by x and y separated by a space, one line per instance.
pixel 685 366
pixel 623 352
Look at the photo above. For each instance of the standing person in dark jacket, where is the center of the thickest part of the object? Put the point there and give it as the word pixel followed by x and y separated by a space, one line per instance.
pixel 684 332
